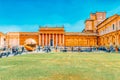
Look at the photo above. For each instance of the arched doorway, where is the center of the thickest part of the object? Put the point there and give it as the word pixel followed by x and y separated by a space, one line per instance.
pixel 113 40
pixel 51 42
pixel 119 39
pixel 102 41
pixel 30 44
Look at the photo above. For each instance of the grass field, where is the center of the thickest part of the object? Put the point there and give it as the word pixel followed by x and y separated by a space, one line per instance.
pixel 61 66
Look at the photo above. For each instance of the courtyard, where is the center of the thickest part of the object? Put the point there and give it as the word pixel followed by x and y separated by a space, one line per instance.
pixel 61 66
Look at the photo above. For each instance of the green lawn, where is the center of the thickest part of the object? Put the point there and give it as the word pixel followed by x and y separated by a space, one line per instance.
pixel 61 66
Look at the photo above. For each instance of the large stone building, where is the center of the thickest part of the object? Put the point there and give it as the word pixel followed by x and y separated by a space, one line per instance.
pixel 99 30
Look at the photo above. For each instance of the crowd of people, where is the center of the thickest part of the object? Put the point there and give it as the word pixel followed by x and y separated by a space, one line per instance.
pixel 19 50
pixel 90 49
pixel 11 51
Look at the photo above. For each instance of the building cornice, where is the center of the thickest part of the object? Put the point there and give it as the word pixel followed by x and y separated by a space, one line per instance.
pixel 106 21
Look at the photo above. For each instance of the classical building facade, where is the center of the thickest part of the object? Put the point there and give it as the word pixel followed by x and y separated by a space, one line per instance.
pixel 99 31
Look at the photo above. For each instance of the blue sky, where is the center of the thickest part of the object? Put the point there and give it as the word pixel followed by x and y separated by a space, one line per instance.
pixel 27 15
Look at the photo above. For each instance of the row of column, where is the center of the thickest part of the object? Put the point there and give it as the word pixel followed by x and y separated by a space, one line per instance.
pixel 110 40
pixel 45 39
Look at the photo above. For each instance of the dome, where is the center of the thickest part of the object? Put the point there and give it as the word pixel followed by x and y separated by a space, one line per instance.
pixel 30 41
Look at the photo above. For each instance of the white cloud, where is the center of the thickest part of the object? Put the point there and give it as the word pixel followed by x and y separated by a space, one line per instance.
pixel 114 11
pixel 11 28
pixel 31 27
pixel 76 27
pixel 18 28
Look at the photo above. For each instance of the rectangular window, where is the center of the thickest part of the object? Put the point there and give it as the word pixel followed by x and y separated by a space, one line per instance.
pixel 119 24
pixel 113 26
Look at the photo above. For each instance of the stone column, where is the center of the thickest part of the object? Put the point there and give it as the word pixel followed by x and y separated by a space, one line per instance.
pixel 46 39
pixel 39 39
pixel 56 39
pixel 60 39
pixel 49 39
pixel 42 39
pixel 53 39
pixel 63 39
pixel 116 39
